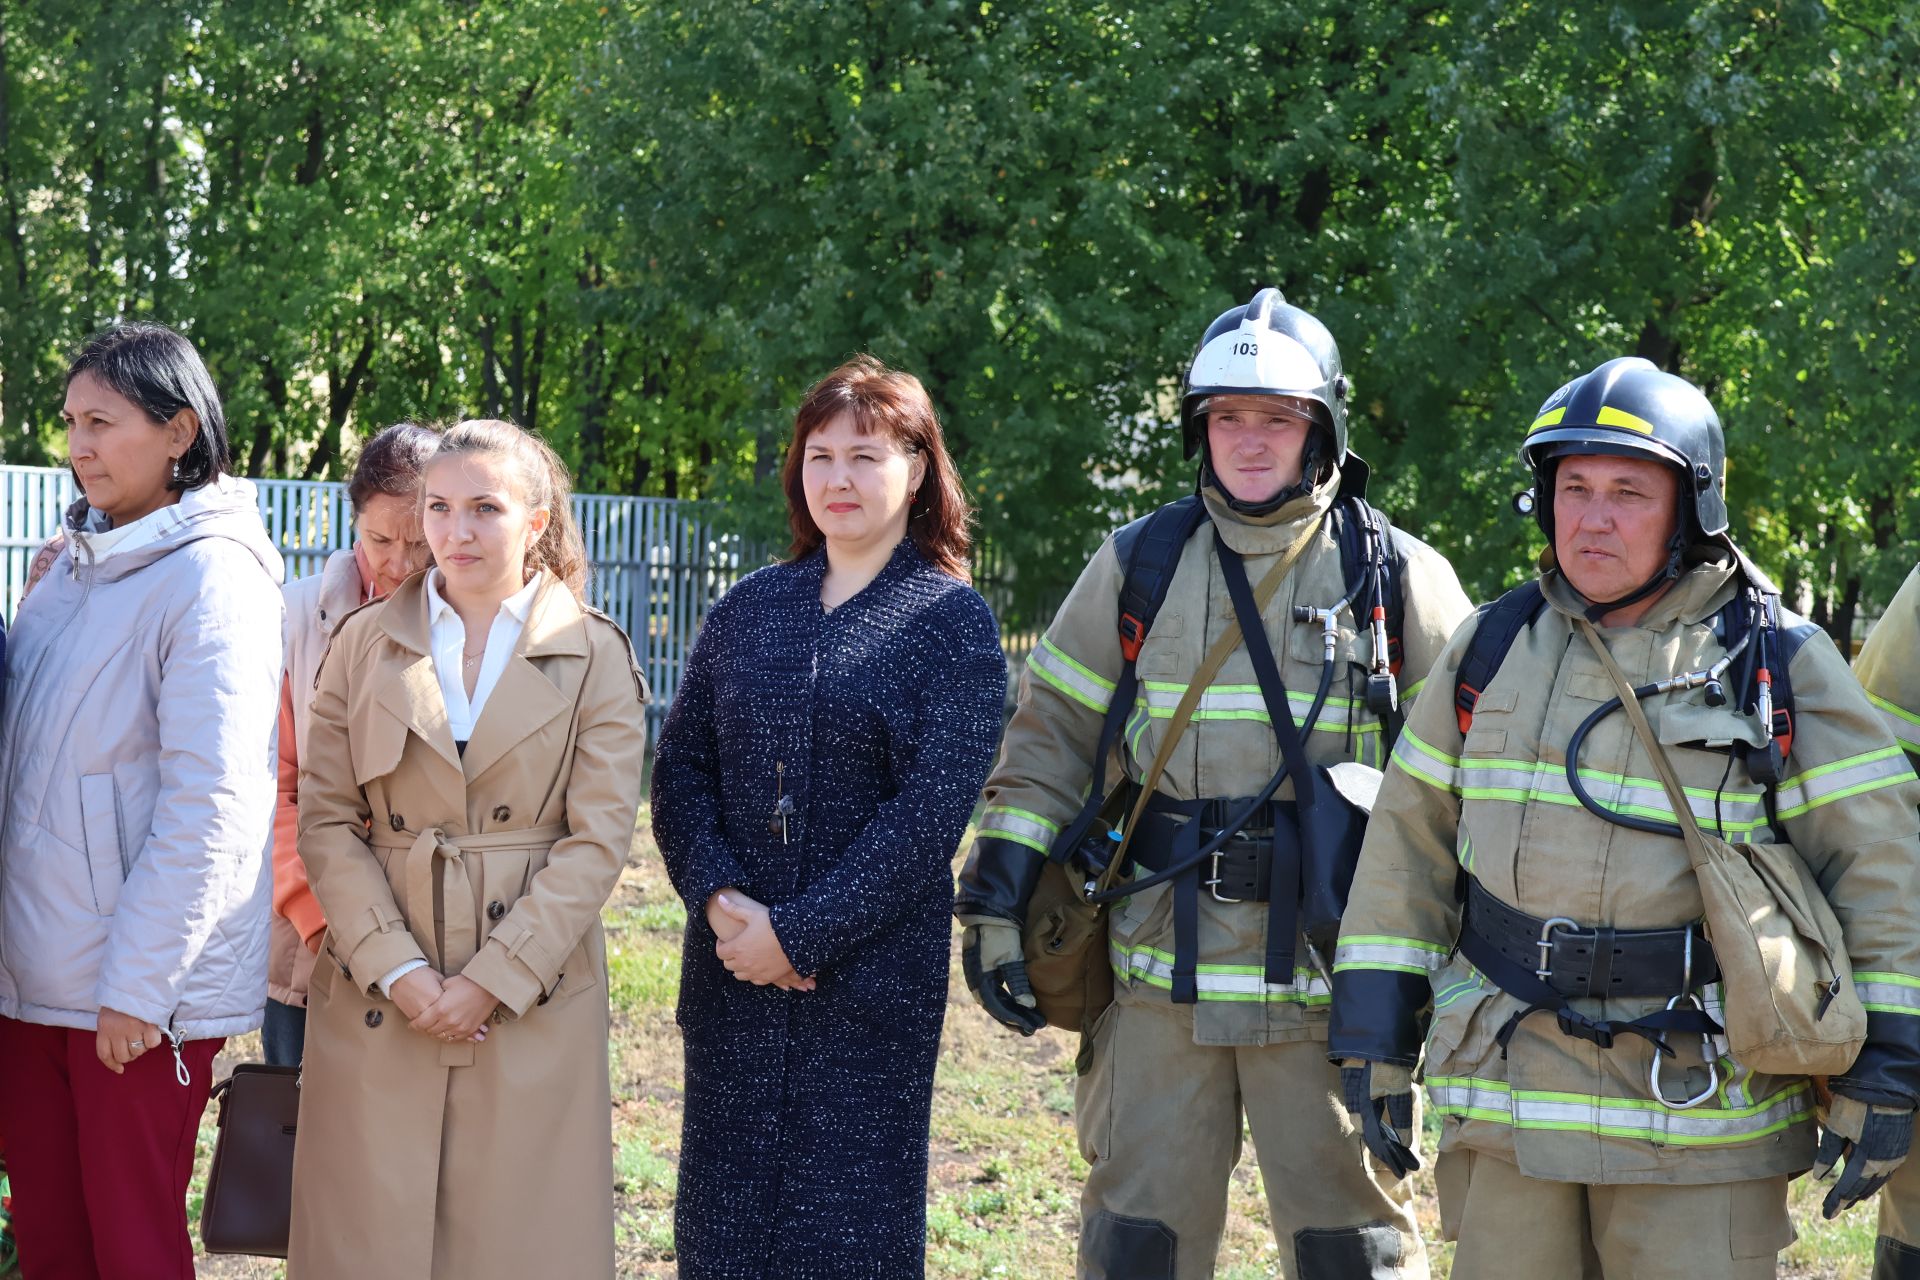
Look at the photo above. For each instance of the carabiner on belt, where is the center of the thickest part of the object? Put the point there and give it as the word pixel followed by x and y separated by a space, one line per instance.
pixel 1707 1054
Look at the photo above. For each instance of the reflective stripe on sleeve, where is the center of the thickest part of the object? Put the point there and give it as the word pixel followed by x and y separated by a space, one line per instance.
pixel 1022 826
pixel 1888 992
pixel 1375 951
pixel 1051 663
pixel 1870 771
pixel 1432 766
pixel 1499 1103
pixel 1224 982
pixel 1902 723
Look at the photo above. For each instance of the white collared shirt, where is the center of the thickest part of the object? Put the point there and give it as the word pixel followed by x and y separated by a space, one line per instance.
pixel 448 640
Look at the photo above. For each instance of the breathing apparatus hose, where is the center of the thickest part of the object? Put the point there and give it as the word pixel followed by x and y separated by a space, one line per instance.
pixel 1708 676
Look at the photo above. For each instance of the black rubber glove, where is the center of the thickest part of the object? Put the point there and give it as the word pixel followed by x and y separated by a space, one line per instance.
pixel 996 971
pixel 1379 1096
pixel 1872 1139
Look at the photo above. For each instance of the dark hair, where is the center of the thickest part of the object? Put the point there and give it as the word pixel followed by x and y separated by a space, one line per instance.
pixel 893 404
pixel 544 482
pixel 160 372
pixel 391 463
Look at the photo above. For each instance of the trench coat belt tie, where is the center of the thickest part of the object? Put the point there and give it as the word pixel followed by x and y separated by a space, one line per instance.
pixel 435 854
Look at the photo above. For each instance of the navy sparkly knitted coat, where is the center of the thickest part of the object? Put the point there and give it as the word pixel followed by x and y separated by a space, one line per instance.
pixel 804 1145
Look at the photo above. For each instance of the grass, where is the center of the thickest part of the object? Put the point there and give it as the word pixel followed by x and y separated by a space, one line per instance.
pixel 1005 1170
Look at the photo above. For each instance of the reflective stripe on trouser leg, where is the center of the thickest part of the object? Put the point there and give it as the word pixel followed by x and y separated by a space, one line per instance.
pixel 1336 1216
pixel 1159 1124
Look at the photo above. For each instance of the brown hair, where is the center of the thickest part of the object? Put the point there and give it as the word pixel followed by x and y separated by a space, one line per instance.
pixel 544 482
pixel 893 404
pixel 391 463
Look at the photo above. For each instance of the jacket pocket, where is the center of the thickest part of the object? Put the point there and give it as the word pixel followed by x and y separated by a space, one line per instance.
pixel 1464 1026
pixel 580 973
pixel 100 819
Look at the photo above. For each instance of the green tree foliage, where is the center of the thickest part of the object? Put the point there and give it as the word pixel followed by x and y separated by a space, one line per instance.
pixel 645 228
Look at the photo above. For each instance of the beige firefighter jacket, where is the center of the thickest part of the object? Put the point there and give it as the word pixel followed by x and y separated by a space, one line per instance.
pixel 1495 803
pixel 1228 749
pixel 1889 669
pixel 1889 666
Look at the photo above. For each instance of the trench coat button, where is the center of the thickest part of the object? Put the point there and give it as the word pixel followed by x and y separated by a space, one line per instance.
pixel 374 1017
pixel 399 823
pixel 496 909
pixel 501 813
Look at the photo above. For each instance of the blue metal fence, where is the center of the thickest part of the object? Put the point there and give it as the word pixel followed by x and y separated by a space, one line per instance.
pixel 657 567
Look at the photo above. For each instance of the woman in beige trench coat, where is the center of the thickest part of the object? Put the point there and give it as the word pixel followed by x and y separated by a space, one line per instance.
pixel 422 1155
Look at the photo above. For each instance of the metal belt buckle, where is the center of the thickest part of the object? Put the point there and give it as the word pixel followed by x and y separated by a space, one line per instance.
pixel 1545 944
pixel 1706 1041
pixel 1213 885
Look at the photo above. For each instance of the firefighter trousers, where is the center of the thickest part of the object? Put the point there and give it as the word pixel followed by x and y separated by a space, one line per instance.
pixel 1896 1254
pixel 1159 1119
pixel 1510 1225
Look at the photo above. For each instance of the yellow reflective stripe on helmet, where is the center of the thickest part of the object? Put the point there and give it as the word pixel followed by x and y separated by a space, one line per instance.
pixel 1400 955
pixel 1052 665
pixel 1022 826
pixel 1496 1102
pixel 1551 418
pixel 1855 775
pixel 1223 982
pixel 1612 417
pixel 1888 992
pixel 1902 723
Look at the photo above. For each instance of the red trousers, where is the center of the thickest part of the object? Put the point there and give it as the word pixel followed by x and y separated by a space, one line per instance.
pixel 99 1162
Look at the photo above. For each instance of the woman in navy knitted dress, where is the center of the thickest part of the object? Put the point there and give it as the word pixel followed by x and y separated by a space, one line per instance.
pixel 830 733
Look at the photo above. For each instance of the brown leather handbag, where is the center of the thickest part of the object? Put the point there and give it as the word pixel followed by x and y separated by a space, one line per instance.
pixel 249 1203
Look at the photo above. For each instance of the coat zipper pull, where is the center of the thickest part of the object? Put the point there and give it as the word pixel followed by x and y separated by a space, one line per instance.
pixel 174 1041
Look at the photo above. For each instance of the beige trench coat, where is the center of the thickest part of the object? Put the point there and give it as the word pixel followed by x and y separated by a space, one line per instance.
pixel 416 1158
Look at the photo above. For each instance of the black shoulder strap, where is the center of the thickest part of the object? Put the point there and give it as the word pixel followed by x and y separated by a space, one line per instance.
pixel 1373 568
pixel 1149 550
pixel 1773 651
pixel 1498 626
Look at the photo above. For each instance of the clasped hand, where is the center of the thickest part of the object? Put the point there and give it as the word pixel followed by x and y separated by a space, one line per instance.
pixel 451 1009
pixel 747 945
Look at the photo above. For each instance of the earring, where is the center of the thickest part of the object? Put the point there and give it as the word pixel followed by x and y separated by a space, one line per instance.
pixel 913 496
pixel 176 471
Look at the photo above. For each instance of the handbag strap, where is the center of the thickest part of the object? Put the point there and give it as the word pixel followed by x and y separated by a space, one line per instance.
pixel 1210 665
pixel 1696 843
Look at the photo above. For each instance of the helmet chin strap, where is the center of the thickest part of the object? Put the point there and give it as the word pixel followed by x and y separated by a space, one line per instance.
pixel 1676 562
pixel 1310 467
